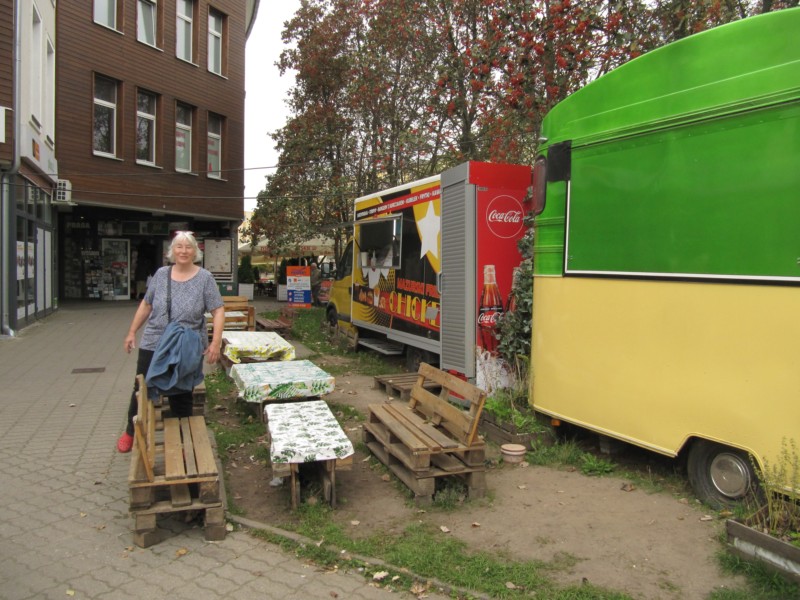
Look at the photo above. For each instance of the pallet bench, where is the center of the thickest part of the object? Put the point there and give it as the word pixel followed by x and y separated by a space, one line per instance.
pixel 430 437
pixel 400 384
pixel 276 325
pixel 240 315
pixel 173 469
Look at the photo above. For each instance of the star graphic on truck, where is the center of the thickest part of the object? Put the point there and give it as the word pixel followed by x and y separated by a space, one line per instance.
pixel 429 228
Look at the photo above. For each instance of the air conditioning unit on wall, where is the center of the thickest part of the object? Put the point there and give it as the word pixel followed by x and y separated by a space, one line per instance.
pixel 63 193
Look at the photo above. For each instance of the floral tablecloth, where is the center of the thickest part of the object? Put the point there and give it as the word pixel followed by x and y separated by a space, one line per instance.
pixel 304 432
pixel 262 382
pixel 257 345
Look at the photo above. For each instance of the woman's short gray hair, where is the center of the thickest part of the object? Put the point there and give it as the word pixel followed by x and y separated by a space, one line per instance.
pixel 184 236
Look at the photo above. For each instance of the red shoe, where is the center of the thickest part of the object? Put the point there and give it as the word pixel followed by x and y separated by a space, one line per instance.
pixel 125 442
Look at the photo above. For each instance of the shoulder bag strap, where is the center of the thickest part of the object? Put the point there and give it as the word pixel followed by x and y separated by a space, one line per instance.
pixel 169 295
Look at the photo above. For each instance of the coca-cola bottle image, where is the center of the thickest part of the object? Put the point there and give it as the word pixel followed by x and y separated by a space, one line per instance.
pixel 491 305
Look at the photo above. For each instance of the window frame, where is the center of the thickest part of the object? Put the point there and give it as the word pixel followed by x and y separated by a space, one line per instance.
pixel 187 133
pixel 113 21
pixel 36 71
pixel 216 42
pixel 114 107
pixel 182 23
pixel 219 137
pixel 152 118
pixel 155 8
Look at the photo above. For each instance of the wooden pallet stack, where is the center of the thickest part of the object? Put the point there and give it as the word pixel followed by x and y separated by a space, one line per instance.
pixel 430 437
pixel 173 470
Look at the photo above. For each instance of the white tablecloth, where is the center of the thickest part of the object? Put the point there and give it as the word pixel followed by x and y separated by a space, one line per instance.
pixel 257 345
pixel 304 432
pixel 262 382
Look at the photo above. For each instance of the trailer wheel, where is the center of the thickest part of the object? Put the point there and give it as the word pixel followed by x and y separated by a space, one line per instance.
pixel 415 356
pixel 721 476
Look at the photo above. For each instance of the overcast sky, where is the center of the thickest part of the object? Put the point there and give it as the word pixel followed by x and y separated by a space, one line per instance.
pixel 265 107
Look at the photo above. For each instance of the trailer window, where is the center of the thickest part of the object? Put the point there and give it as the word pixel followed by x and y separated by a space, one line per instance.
pixel 539 184
pixel 379 243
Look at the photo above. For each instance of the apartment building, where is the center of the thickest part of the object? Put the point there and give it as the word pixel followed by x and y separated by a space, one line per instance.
pixel 28 166
pixel 149 138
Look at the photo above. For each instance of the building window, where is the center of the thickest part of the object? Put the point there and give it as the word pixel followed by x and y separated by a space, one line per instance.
pixel 105 13
pixel 146 128
pixel 36 69
pixel 183 138
pixel 146 21
pixel 214 146
pixel 184 30
pixel 50 94
pixel 216 41
pixel 105 115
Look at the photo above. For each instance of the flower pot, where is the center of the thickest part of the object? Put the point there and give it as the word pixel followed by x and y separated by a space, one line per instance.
pixel 246 290
pixel 751 544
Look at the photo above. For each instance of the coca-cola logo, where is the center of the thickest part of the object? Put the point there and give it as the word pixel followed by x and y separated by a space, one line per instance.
pixel 504 216
pixel 487 319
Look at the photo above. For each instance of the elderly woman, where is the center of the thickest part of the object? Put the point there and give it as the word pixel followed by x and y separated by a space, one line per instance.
pixel 193 292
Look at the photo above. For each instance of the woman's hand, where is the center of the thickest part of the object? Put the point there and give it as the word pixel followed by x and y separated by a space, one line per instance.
pixel 129 343
pixel 212 353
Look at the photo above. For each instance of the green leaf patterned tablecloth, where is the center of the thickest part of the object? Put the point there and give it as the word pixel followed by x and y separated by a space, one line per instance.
pixel 256 345
pixel 305 432
pixel 262 382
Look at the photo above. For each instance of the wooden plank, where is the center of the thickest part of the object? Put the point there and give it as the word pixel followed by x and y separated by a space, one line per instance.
pixel 188 448
pixel 456 421
pixel 141 447
pixel 206 463
pixel 173 450
pixel 413 421
pixel 408 437
pixel 179 495
pixel 458 386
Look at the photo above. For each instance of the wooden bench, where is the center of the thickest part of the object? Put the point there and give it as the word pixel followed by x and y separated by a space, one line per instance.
pixel 282 325
pixel 240 315
pixel 431 437
pixel 173 469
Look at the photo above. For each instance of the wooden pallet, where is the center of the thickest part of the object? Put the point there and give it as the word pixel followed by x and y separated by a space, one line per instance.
pixel 429 437
pixel 173 469
pixel 276 325
pixel 423 482
pixel 400 384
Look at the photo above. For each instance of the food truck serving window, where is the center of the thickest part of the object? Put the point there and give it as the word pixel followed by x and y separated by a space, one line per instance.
pixel 379 243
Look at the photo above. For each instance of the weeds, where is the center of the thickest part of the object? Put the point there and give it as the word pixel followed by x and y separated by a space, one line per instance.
pixel 780 515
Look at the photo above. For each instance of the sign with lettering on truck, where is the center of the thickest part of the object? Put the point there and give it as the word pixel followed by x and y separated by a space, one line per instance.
pixel 429 267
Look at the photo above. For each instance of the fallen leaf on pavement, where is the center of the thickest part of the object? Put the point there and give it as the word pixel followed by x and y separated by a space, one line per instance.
pixel 476 524
pixel 628 487
pixel 444 529
pixel 181 552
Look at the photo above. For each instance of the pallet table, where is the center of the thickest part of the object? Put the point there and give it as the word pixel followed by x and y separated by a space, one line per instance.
pixel 253 346
pixel 266 382
pixel 307 432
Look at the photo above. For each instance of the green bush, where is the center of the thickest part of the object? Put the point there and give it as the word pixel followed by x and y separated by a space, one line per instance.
pixel 245 272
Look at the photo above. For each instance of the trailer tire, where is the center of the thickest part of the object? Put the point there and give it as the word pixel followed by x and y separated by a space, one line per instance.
pixel 721 476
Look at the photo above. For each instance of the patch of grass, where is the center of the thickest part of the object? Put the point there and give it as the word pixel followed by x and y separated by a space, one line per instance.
pixel 561 454
pixel 595 466
pixel 762 584
pixel 427 552
pixel 345 412
pixel 218 387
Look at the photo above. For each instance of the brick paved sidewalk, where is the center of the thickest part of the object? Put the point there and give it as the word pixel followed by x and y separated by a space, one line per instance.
pixel 64 524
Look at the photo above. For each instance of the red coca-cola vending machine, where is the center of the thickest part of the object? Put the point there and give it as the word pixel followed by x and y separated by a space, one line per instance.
pixel 483 205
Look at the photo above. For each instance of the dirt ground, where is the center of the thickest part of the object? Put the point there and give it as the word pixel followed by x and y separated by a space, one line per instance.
pixel 648 545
